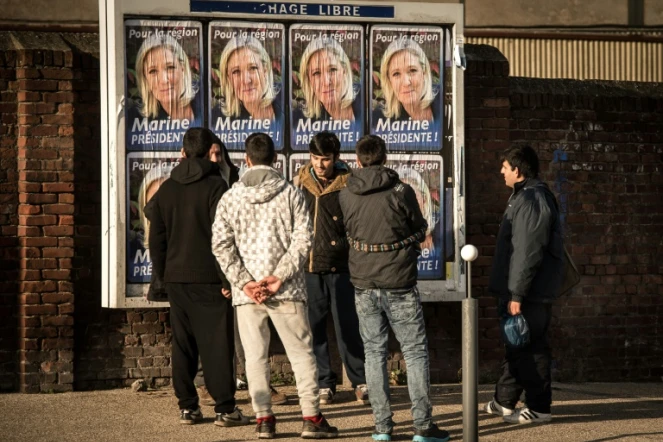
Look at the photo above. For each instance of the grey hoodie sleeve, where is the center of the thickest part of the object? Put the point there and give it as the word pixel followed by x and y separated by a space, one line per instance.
pixel 531 226
pixel 300 239
pixel 225 250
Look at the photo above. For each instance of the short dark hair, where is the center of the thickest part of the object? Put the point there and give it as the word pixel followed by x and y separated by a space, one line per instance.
pixel 197 142
pixel 260 149
pixel 371 151
pixel 325 143
pixel 524 158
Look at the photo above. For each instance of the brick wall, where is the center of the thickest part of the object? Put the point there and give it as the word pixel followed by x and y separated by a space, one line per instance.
pixel 601 149
pixel 9 272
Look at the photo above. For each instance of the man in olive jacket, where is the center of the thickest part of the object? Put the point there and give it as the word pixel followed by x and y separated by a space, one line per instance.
pixel 327 276
pixel 526 277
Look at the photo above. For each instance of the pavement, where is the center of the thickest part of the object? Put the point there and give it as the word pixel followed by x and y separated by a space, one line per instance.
pixel 581 412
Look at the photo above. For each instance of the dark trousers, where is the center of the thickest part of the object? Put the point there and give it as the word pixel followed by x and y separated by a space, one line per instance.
pixel 528 368
pixel 334 293
pixel 202 326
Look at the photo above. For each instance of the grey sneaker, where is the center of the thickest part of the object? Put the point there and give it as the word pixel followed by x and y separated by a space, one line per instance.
pixel 266 427
pixel 326 396
pixel 190 417
pixel 493 407
pixel 234 419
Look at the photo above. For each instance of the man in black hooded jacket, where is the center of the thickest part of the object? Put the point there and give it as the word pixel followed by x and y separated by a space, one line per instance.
pixel 201 317
pixel 526 277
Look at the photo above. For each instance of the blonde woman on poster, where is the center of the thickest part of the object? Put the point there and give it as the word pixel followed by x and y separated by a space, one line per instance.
pixel 326 77
pixel 168 100
pixel 247 88
pixel 326 85
pixel 406 81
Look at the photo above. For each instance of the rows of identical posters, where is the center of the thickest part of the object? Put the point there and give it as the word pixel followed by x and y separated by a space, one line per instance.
pixel 291 84
pixel 424 174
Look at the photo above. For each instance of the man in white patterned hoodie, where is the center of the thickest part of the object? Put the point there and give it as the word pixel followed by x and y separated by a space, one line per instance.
pixel 261 237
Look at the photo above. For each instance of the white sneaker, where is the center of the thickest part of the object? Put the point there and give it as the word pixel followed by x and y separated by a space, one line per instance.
pixel 493 407
pixel 241 385
pixel 326 396
pixel 527 416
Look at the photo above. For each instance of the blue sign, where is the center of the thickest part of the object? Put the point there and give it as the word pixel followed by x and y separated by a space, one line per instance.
pixel 276 8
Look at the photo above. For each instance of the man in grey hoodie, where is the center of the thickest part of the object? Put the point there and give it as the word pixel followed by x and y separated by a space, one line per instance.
pixel 261 237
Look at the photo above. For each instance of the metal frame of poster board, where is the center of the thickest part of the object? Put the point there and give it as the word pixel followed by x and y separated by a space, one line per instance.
pixel 112 17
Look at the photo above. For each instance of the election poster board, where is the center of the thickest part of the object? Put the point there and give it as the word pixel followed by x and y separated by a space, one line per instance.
pixel 146 171
pixel 424 174
pixel 406 87
pixel 246 92
pixel 326 83
pixel 163 88
pixel 295 162
pixel 239 160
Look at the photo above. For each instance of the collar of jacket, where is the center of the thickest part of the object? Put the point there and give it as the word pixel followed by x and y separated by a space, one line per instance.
pixel 527 182
pixel 308 181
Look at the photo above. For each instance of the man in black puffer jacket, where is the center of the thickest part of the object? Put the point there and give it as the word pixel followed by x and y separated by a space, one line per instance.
pixel 327 278
pixel 527 273
pixel 201 317
pixel 385 226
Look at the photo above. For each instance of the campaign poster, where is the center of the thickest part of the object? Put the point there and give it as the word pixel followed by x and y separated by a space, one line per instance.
pixel 406 88
pixel 246 92
pixel 239 160
pixel 145 174
pixel 295 162
pixel 326 83
pixel 163 89
pixel 424 174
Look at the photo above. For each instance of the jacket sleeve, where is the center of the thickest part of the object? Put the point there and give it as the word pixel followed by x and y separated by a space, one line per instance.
pixel 300 239
pixel 415 219
pixel 214 203
pixel 158 239
pixel 225 249
pixel 530 232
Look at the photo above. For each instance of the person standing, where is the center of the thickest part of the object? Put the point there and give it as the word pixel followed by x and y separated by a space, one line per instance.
pixel 527 273
pixel 384 228
pixel 327 275
pixel 201 315
pixel 261 238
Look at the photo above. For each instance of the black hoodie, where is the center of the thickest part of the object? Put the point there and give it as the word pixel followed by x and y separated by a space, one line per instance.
pixel 378 208
pixel 181 224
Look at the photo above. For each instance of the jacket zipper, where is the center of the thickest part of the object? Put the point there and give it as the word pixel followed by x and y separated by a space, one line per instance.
pixel 315 223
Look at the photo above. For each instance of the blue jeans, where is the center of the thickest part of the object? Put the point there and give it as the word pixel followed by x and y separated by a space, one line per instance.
pixel 400 308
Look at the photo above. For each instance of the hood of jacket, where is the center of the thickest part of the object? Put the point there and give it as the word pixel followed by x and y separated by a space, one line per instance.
pixel 260 184
pixel 191 170
pixel 305 178
pixel 371 179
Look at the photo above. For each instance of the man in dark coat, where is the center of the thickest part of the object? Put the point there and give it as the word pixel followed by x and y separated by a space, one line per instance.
pixel 384 228
pixel 327 276
pixel 526 277
pixel 201 317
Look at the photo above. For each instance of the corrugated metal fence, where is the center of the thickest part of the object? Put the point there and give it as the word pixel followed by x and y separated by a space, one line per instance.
pixel 614 59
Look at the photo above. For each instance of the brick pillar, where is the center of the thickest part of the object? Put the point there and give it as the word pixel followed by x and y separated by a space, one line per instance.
pixel 45 220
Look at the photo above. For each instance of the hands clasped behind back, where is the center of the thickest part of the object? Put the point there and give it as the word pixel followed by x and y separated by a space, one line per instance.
pixel 262 290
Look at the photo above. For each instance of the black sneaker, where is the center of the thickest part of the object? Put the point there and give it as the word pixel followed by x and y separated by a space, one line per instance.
pixel 432 434
pixel 321 430
pixel 234 419
pixel 266 428
pixel 190 417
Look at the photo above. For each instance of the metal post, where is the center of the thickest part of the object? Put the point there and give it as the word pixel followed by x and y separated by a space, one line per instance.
pixel 470 308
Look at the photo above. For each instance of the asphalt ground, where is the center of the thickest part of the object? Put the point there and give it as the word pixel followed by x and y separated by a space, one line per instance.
pixel 581 412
